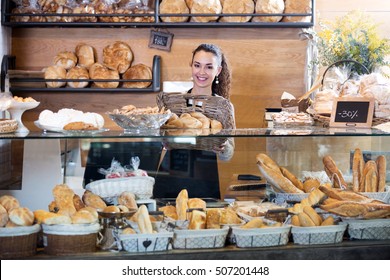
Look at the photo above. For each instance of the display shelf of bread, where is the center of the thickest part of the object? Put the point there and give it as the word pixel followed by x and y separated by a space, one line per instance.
pixel 216 13
pixel 79 70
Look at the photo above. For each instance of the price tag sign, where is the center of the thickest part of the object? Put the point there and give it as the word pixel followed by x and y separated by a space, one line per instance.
pixel 160 40
pixel 352 112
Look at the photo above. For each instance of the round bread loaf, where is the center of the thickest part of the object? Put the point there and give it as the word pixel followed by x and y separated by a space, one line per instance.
pixel 269 7
pixel 65 59
pixel 85 55
pixel 237 7
pixel 138 72
pixel 21 216
pixel 128 199
pixel 205 7
pixel 83 216
pixel 98 71
pixel 174 7
pixel 297 7
pixel 79 73
pixel 55 72
pixel 9 202
pixel 112 209
pixel 118 56
pixel 3 216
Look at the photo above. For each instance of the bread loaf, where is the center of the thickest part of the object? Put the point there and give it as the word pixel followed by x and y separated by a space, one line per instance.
pixel 333 172
pixel 381 167
pixel 205 7
pixel 138 72
pixel 98 71
pixel 346 208
pixel 49 218
pixel 79 73
pixel 77 202
pixel 297 183
pixel 83 216
pixel 315 197
pixel 329 221
pixel 181 205
pixel 196 203
pixel 198 220
pixel 237 7
pixel 93 200
pixel 63 196
pixel 169 211
pixel 21 216
pixel 297 7
pixel 305 221
pixel 91 210
pixel 357 169
pixel 295 221
pixel 65 59
pixel 370 176
pixel 254 223
pixel 3 216
pixel 229 217
pixel 85 55
pixel 174 7
pixel 128 199
pixel 202 118
pixel 310 184
pixel 308 210
pixel 268 7
pixel 143 220
pixel 9 202
pixel 213 218
pixel 118 56
pixel 55 72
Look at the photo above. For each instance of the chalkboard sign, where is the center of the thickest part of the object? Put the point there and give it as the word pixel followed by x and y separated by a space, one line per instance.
pixel 160 40
pixel 352 112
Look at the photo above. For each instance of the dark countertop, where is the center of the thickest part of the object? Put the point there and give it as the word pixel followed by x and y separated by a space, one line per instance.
pixel 347 250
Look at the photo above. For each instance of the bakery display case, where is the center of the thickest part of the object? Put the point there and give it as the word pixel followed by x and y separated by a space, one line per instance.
pixel 156 13
pixel 75 158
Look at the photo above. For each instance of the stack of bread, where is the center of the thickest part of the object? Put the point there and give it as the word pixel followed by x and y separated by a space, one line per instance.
pixel 310 218
pixel 12 214
pixel 82 64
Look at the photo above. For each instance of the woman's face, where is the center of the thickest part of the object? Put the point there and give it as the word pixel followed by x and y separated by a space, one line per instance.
pixel 204 69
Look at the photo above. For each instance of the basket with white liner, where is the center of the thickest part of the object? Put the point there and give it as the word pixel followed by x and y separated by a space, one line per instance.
pixel 368 229
pixel 319 234
pixel 261 237
pixel 145 242
pixel 200 238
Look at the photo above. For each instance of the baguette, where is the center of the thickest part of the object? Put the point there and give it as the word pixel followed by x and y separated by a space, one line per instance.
pixel 381 167
pixel 370 175
pixel 143 220
pixel 182 205
pixel 357 169
pixel 297 183
pixel 308 210
pixel 332 171
pixel 328 221
pixel 305 221
pixel 310 184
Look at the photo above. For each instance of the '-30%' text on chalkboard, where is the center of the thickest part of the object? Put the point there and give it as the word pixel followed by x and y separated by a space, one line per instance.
pixel 356 112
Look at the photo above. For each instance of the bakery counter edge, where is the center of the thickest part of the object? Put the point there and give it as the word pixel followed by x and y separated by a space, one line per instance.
pixel 347 250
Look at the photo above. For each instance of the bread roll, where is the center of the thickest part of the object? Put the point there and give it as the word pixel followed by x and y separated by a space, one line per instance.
pixel 333 172
pixel 65 59
pixel 202 118
pixel 297 183
pixel 213 219
pixel 128 199
pixel 63 196
pixel 297 7
pixel 305 221
pixel 181 205
pixel 77 202
pixel 143 220
pixel 98 71
pixel 310 184
pixel 229 217
pixel 83 216
pixel 381 167
pixel 268 7
pixel 357 169
pixel 169 211
pixel 11 224
pixel 79 73
pixel 297 208
pixel 254 223
pixel 295 221
pixel 313 215
pixel 55 72
pixel 205 7
pixel 128 230
pixel 111 209
pixel 215 125
pixel 237 7
pixel 118 56
pixel 329 221
pixel 91 210
pixel 49 218
pixel 85 55
pixel 190 122
pixel 9 202
pixel 174 7
pixel 315 197
pixel 138 72
pixel 3 216
pixel 93 200
pixel 21 216
pixel 198 220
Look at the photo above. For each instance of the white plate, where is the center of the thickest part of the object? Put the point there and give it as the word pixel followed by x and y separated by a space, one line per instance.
pixel 48 128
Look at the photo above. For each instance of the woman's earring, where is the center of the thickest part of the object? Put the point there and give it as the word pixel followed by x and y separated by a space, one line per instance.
pixel 216 80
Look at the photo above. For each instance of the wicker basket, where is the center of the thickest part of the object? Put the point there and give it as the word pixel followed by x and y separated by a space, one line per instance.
pixel 18 242
pixel 110 189
pixel 197 239
pixel 368 229
pixel 318 235
pixel 70 239
pixel 261 237
pixel 160 241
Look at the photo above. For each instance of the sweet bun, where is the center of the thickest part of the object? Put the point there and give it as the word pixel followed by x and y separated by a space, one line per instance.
pixel 118 56
pixel 55 72
pixel 21 216
pixel 85 55
pixel 65 59
pixel 9 202
pixel 79 73
pixel 138 72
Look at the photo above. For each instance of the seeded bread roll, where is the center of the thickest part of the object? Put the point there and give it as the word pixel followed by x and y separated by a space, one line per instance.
pixel 55 72
pixel 85 55
pixel 65 59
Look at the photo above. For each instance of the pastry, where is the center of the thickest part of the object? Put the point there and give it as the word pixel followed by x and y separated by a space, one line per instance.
pixel 118 56
pixel 98 71
pixel 268 7
pixel 237 7
pixel 174 7
pixel 55 72
pixel 85 55
pixel 198 220
pixel 181 205
pixel 65 59
pixel 79 73
pixel 138 72
pixel 205 7
pixel 79 126
pixel 9 202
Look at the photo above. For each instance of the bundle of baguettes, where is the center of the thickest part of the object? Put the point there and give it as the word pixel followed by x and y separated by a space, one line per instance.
pixel 369 176
pixel 348 203
pixel 278 177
